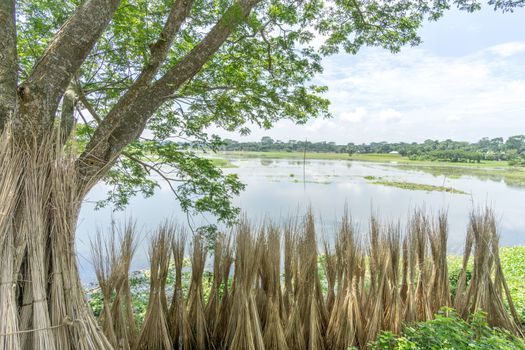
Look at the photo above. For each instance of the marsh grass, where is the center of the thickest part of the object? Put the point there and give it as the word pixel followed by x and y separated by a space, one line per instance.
pixel 222 163
pixel 416 186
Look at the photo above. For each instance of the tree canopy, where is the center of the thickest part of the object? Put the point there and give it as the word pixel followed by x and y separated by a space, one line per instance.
pixel 140 76
pixel 512 149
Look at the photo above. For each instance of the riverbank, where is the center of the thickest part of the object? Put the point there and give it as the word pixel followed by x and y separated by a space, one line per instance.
pixel 371 157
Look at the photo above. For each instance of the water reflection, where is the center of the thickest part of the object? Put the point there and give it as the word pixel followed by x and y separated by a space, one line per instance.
pixel 266 162
pixel 511 177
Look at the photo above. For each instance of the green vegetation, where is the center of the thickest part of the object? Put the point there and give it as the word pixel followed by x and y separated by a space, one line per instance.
pixel 287 155
pixel 222 163
pixel 404 160
pixel 449 331
pixel 510 175
pixel 413 186
pixel 513 265
pixel 173 69
pixel 319 182
pixel 371 157
pixel 512 150
pixel 139 285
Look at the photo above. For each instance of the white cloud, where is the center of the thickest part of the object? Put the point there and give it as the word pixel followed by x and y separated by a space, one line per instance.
pixel 508 49
pixel 320 125
pixel 453 118
pixel 416 95
pixel 355 116
pixel 390 115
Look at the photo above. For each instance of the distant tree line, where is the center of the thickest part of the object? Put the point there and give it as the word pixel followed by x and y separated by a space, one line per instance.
pixel 267 144
pixel 511 149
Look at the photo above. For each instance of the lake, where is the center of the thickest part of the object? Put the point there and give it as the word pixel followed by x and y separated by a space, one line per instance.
pixel 278 189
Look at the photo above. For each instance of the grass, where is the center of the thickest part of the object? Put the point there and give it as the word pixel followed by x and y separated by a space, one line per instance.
pixel 370 157
pixel 396 158
pixel 288 155
pixel 318 182
pixel 511 176
pixel 513 264
pixel 222 163
pixel 412 185
pixel 418 187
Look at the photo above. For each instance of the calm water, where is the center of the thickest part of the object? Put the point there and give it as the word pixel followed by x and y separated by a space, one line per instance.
pixel 275 189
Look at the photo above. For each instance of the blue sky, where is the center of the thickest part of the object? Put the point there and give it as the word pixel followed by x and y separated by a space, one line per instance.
pixel 466 81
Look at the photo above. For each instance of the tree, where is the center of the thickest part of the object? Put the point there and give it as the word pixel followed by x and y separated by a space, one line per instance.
pixel 172 69
pixel 266 140
pixel 350 148
pixel 516 142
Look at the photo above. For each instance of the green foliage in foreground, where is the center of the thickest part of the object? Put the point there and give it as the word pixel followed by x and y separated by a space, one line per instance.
pixel 513 265
pixel 448 331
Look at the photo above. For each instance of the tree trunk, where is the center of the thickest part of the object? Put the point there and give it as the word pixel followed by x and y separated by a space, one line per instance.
pixel 8 61
pixel 42 303
pixel 41 92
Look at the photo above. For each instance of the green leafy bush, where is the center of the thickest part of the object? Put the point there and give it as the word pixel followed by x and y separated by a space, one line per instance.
pixel 513 265
pixel 454 272
pixel 448 331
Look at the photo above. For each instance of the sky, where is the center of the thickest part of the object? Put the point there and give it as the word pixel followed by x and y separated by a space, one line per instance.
pixel 466 81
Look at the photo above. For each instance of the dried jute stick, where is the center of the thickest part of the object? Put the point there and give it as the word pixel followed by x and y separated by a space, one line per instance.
pixel 65 323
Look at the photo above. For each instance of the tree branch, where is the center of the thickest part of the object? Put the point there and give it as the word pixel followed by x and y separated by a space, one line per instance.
pixel 42 91
pixel 178 13
pixel 87 105
pixel 67 117
pixel 8 61
pixel 126 121
pixel 151 167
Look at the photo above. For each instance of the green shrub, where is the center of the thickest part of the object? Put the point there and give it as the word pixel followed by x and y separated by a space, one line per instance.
pixel 513 265
pixel 454 272
pixel 449 332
